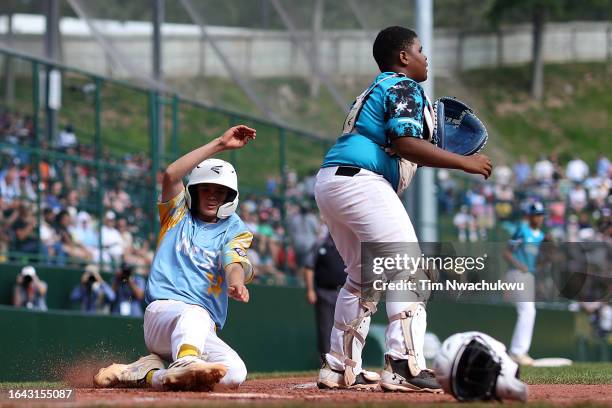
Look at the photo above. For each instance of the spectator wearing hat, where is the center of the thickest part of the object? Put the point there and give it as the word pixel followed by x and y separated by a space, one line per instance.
pixel 129 289
pixel 30 291
pixel 93 294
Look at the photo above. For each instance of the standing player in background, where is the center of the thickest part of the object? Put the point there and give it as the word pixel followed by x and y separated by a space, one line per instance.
pixel 200 260
pixel 356 191
pixel 522 254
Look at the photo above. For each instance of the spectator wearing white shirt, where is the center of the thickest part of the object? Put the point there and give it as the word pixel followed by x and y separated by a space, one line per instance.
pixel 543 170
pixel 67 138
pixel 112 242
pixel 503 175
pixel 578 198
pixel 464 222
pixel 9 184
pixel 577 170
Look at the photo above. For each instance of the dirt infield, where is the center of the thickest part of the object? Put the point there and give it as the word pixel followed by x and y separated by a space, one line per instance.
pixel 302 391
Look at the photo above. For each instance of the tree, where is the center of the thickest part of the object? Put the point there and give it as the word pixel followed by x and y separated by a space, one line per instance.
pixel 539 12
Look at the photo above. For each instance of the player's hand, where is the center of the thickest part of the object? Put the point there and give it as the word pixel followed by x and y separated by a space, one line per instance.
pixel 311 296
pixel 238 292
pixel 236 137
pixel 478 164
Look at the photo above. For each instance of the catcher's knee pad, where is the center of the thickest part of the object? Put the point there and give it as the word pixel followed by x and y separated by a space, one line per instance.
pixel 413 322
pixel 355 333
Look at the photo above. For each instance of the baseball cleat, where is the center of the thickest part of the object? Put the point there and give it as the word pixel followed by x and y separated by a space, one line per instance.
pixel 522 359
pixel 127 375
pixel 396 377
pixel 330 379
pixel 192 373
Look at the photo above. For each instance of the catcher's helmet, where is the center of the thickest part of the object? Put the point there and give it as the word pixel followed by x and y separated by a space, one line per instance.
pixel 214 171
pixel 474 366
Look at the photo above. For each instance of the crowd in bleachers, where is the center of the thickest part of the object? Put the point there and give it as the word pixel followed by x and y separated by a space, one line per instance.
pixel 577 199
pixel 75 229
pixel 74 226
pixel 69 202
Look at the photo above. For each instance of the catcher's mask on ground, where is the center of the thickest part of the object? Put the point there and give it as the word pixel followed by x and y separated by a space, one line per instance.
pixel 214 171
pixel 474 366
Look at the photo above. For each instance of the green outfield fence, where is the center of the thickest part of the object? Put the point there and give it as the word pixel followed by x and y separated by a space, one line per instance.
pixel 119 118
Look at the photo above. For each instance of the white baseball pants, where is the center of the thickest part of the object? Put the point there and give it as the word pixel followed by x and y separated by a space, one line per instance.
pixel 168 324
pixel 362 208
pixel 525 311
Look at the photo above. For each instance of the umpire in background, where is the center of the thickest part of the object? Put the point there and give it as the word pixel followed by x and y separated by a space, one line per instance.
pixel 325 275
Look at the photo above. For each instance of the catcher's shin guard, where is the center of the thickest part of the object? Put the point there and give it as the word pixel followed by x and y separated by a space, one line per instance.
pixel 413 323
pixel 410 373
pixel 355 333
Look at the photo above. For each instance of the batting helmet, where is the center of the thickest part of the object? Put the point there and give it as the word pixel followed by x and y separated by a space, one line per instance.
pixel 474 366
pixel 214 171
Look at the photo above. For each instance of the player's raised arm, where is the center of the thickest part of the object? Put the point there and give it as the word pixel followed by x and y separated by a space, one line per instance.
pixel 233 138
pixel 424 153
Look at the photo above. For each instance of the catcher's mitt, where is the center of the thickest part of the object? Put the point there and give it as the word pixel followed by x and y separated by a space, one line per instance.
pixel 457 128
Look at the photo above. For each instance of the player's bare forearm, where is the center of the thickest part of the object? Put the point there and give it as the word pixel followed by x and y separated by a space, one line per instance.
pixel 236 288
pixel 423 153
pixel 172 183
pixel 309 279
pixel 233 138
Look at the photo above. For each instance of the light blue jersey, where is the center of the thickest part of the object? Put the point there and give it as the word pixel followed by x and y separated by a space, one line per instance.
pixel 525 245
pixel 393 109
pixel 191 257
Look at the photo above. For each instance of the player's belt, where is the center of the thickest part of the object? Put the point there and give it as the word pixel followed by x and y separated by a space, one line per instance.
pixel 347 171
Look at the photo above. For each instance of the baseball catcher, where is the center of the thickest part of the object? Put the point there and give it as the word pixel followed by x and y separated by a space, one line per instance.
pixel 388 133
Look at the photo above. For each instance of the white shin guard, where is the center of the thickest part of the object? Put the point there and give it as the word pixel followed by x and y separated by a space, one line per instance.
pixel 351 326
pixel 409 325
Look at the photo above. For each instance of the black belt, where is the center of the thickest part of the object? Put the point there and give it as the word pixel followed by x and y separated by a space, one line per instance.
pixel 347 171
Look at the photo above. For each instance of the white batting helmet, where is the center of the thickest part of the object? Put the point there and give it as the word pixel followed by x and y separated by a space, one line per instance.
pixel 215 171
pixel 474 366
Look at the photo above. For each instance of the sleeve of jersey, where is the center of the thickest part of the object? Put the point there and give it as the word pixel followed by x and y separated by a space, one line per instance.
pixel 517 238
pixel 171 212
pixel 235 251
pixel 404 110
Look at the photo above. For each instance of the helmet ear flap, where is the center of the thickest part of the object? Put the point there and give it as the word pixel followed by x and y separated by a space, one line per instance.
pixel 192 197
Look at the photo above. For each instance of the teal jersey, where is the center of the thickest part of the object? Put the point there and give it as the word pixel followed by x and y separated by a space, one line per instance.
pixel 191 257
pixel 393 109
pixel 525 245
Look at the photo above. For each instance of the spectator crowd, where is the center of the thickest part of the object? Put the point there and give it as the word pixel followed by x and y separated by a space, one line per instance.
pixel 577 199
pixel 107 218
